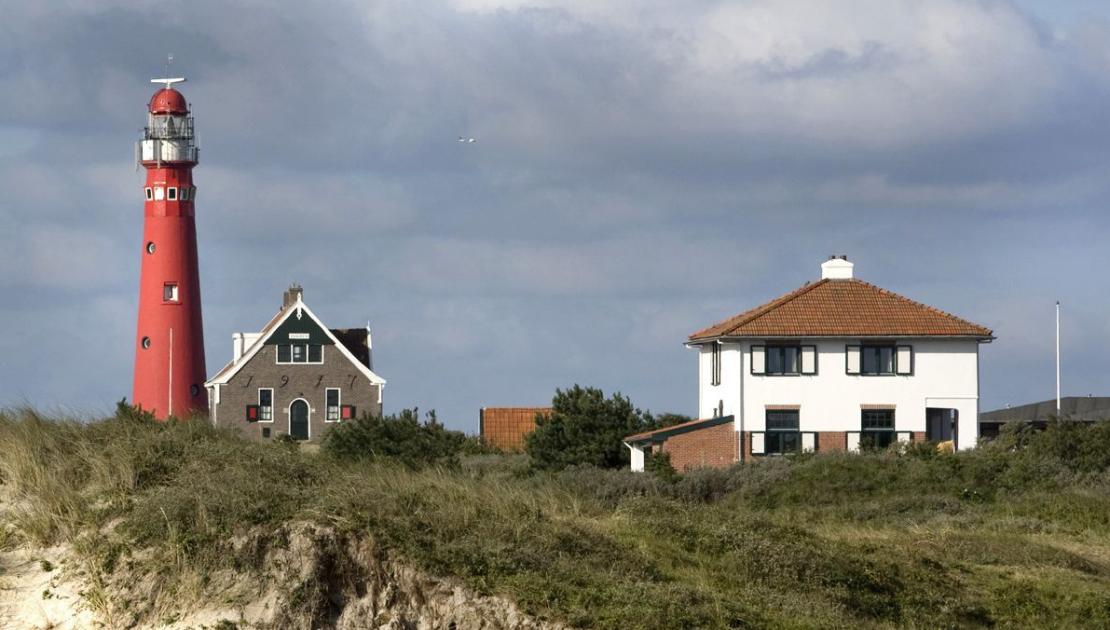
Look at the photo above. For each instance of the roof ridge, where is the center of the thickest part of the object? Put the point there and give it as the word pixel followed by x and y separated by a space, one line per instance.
pixel 922 305
pixel 752 314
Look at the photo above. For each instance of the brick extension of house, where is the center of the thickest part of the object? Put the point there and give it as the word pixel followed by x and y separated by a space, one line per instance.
pixel 835 365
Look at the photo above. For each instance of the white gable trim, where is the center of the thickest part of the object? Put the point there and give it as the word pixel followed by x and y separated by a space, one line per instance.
pixel 265 336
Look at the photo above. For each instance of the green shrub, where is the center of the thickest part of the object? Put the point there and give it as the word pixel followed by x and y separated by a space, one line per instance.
pixel 584 427
pixel 402 437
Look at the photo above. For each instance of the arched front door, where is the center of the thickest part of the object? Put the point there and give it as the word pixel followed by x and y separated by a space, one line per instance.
pixel 298 420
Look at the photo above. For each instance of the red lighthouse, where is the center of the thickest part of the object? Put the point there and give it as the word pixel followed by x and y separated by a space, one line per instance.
pixel 169 343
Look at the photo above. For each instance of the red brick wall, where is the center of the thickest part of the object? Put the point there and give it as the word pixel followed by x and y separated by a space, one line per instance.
pixel 505 427
pixel 830 441
pixel 711 447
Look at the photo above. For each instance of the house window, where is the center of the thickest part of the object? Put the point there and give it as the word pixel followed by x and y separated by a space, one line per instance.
pixel 715 352
pixel 169 292
pixel 877 360
pixel 265 405
pixel 782 434
pixel 877 428
pixel 300 353
pixel 332 404
pixel 784 360
pixel 265 432
pixel 171 194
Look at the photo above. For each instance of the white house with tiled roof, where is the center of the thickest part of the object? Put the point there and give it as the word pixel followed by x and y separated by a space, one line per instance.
pixel 838 364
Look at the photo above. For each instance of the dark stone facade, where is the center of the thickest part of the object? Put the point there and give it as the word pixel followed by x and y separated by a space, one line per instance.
pixel 291 382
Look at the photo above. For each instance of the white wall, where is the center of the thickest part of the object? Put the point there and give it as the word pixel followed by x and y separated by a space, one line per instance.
pixel 945 375
pixel 637 458
pixel 710 397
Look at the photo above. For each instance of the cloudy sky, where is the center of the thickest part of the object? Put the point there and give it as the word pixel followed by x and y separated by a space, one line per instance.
pixel 643 168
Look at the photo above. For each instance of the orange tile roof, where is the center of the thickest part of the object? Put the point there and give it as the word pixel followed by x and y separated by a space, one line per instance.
pixel 505 427
pixel 843 308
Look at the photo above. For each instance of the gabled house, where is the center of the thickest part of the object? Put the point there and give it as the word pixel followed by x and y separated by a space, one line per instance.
pixel 837 364
pixel 295 377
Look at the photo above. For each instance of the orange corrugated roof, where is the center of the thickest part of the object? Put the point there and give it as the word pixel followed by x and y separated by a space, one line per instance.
pixel 506 427
pixel 843 308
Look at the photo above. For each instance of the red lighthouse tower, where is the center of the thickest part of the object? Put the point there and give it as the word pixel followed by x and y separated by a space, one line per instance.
pixel 169 352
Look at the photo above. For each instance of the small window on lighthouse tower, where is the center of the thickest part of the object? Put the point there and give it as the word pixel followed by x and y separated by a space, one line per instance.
pixel 184 193
pixel 149 193
pixel 171 194
pixel 169 292
pixel 159 193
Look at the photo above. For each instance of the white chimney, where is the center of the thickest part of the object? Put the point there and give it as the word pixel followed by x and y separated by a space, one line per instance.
pixel 836 268
pixel 236 346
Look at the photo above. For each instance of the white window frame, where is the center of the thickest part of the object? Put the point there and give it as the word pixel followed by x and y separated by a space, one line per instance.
pixel 328 409
pixel 149 193
pixel 171 193
pixel 261 407
pixel 277 354
pixel 171 294
pixel 159 193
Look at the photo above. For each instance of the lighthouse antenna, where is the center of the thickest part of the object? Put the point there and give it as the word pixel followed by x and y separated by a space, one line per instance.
pixel 169 82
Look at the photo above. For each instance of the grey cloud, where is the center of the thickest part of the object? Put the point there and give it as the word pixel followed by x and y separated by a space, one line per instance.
pixel 642 169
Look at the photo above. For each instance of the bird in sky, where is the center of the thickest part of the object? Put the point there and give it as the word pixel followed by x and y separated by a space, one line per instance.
pixel 467 140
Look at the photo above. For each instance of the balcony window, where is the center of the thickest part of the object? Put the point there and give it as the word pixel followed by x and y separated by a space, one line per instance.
pixel 876 429
pixel 782 434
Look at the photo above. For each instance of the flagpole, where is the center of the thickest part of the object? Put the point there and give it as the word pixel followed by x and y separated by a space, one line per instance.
pixel 1057 359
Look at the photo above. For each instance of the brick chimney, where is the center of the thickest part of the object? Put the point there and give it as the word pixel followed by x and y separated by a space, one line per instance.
pixel 291 295
pixel 836 268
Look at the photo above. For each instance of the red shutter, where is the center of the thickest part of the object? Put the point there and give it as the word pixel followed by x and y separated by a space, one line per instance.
pixel 252 413
pixel 347 412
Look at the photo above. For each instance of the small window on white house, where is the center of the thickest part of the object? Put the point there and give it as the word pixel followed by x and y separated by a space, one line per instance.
pixel 149 193
pixel 169 292
pixel 715 376
pixel 171 193
pixel 159 193
pixel 332 400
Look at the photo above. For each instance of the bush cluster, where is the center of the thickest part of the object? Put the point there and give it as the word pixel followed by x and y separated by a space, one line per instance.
pixel 401 437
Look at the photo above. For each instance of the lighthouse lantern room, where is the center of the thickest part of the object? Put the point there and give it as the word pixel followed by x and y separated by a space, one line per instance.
pixel 169 342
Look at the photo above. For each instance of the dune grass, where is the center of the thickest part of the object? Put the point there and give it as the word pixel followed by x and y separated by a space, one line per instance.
pixel 1016 534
